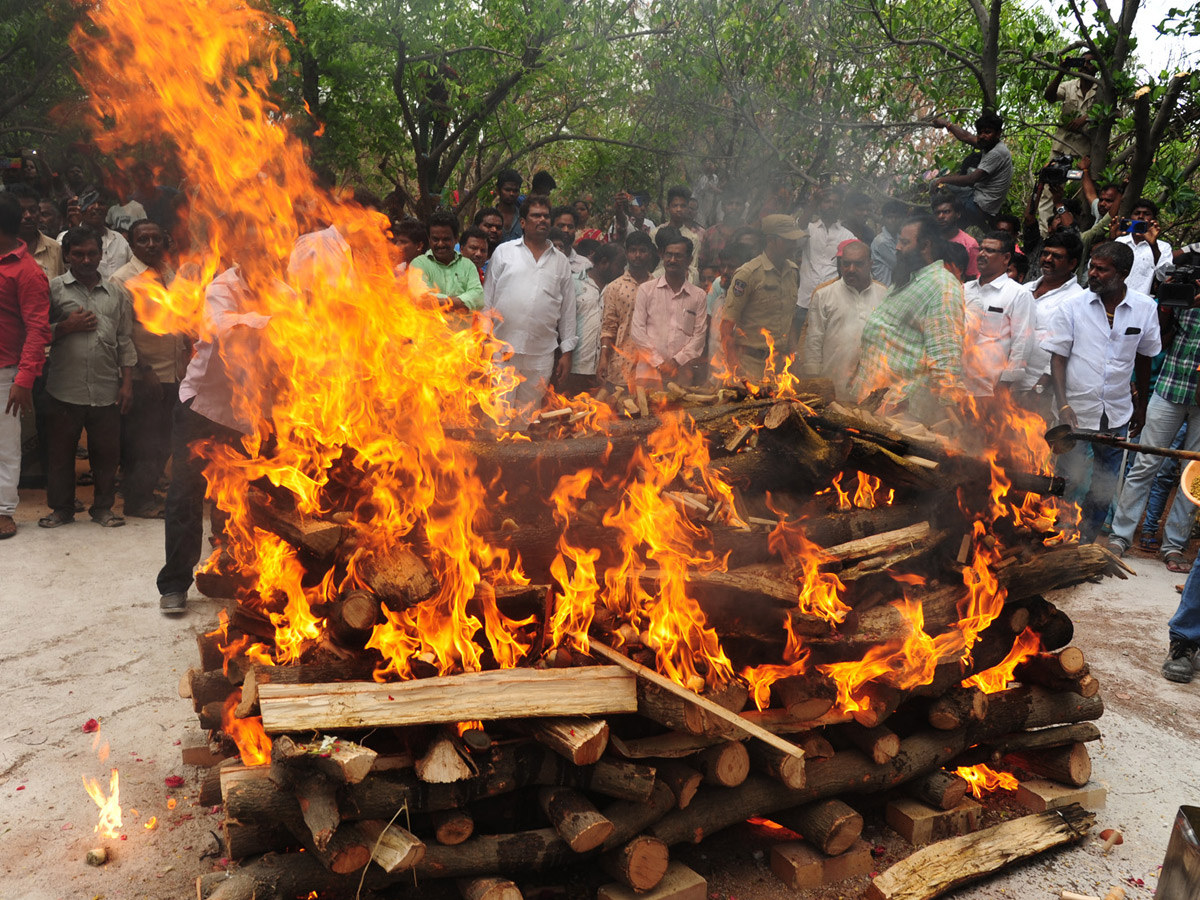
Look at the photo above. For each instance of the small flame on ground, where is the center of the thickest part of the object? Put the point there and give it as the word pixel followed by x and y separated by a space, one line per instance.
pixel 109 824
pixel 151 824
pixel 464 727
pixel 983 779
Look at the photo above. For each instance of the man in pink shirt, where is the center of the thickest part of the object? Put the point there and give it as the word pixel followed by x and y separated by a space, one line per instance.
pixel 948 212
pixel 670 319
pixel 24 334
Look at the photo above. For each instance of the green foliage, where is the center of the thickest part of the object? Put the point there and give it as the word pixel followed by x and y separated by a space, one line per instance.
pixel 35 63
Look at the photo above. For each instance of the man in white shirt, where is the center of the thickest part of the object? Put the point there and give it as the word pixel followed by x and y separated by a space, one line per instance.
pixel 1059 261
pixel 114 249
pixel 837 315
pixel 530 296
pixel 819 265
pixel 1100 338
pixel 999 321
pixel 562 218
pixel 608 265
pixel 1151 256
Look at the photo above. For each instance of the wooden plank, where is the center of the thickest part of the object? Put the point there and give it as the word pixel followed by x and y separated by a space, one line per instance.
pixel 502 694
pixel 801 866
pixel 740 723
pixel 919 823
pixel 679 883
pixel 940 867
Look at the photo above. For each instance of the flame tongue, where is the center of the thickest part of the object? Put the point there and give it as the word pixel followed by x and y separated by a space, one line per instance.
pixel 110 804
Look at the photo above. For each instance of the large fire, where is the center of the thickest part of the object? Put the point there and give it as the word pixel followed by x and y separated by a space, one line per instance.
pixel 351 389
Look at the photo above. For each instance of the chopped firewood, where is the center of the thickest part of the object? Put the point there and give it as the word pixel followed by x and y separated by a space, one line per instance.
pixel 353 617
pixel 939 789
pixel 958 708
pixel 582 741
pixel 727 764
pixel 787 769
pixel 879 544
pixel 341 760
pixel 642 404
pixel 639 864
pixel 452 826
pixel 317 797
pixel 681 778
pixel 1069 765
pixel 829 825
pixel 919 823
pixel 445 760
pixel 738 437
pixel 620 780
pixel 398 577
pixel 880 743
pixel 316 536
pixel 936 869
pixel 803 867
pixel 575 818
pixel 501 694
pixel 488 888
pixel 805 697
pixel 393 848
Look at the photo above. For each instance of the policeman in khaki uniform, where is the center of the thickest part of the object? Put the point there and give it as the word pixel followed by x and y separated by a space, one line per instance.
pixel 762 296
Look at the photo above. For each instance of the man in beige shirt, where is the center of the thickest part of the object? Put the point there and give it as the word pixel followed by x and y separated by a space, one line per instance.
pixel 162 362
pixel 837 316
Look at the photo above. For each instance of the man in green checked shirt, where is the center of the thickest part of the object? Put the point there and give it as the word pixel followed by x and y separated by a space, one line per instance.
pixel 1172 404
pixel 912 343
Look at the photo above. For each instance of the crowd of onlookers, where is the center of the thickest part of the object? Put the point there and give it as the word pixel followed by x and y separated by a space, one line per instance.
pixel 929 305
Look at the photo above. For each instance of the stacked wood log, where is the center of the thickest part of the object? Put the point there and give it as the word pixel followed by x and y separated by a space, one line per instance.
pixel 585 752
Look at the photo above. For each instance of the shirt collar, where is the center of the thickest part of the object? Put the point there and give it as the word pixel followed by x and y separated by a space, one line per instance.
pixel 17 252
pixel 429 254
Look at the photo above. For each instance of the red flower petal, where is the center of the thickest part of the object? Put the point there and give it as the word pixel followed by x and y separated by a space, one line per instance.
pixel 90 725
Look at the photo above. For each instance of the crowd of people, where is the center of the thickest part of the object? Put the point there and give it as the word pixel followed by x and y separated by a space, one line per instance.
pixel 924 305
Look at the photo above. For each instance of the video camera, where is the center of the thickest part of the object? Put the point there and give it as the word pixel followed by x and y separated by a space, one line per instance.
pixel 1132 226
pixel 1059 171
pixel 1180 291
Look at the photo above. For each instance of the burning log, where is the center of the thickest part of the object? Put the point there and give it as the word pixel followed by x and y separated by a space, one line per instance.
pixel 315 536
pixel 352 618
pixel 958 708
pixel 879 743
pixel 400 578
pixel 937 868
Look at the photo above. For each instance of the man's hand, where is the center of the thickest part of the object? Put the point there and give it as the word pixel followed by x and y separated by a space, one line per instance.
pixel 939 122
pixel 1085 164
pixel 80 320
pixel 125 395
pixel 1067 416
pixel 1153 231
pixel 668 370
pixel 20 400
pixel 1077 124
pixel 74 213
pixel 563 369
pixel 1137 421
pixel 602 362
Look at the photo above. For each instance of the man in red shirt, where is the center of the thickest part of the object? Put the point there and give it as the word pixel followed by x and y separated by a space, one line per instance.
pixel 24 334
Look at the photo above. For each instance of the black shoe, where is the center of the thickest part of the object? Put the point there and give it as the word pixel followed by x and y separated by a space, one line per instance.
pixel 173 603
pixel 1180 664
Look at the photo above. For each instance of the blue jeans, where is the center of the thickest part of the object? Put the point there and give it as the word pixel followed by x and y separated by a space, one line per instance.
pixel 1185 624
pixel 1105 469
pixel 1164 420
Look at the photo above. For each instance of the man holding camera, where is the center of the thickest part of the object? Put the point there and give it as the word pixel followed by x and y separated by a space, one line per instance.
pixel 982 190
pixel 1072 139
pixel 1151 256
pixel 1172 404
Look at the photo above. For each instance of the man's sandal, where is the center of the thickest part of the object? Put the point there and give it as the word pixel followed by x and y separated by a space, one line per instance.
pixel 7 527
pixel 108 519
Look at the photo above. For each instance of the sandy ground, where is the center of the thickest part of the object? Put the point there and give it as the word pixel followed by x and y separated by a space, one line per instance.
pixel 86 641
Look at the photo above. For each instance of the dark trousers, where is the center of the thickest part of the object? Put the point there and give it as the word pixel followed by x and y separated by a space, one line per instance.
pixel 64 424
pixel 185 498
pixel 146 441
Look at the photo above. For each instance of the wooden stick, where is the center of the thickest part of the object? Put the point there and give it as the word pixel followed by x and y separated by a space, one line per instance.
pixel 877 544
pixel 937 868
pixel 741 724
pixel 501 694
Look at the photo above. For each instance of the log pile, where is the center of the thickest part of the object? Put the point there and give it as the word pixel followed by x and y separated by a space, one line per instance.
pixel 585 751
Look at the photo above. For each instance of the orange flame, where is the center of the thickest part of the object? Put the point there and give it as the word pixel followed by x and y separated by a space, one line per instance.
pixel 982 779
pixel 352 370
pixel 997 678
pixel 109 824
pixel 252 742
pixel 151 823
